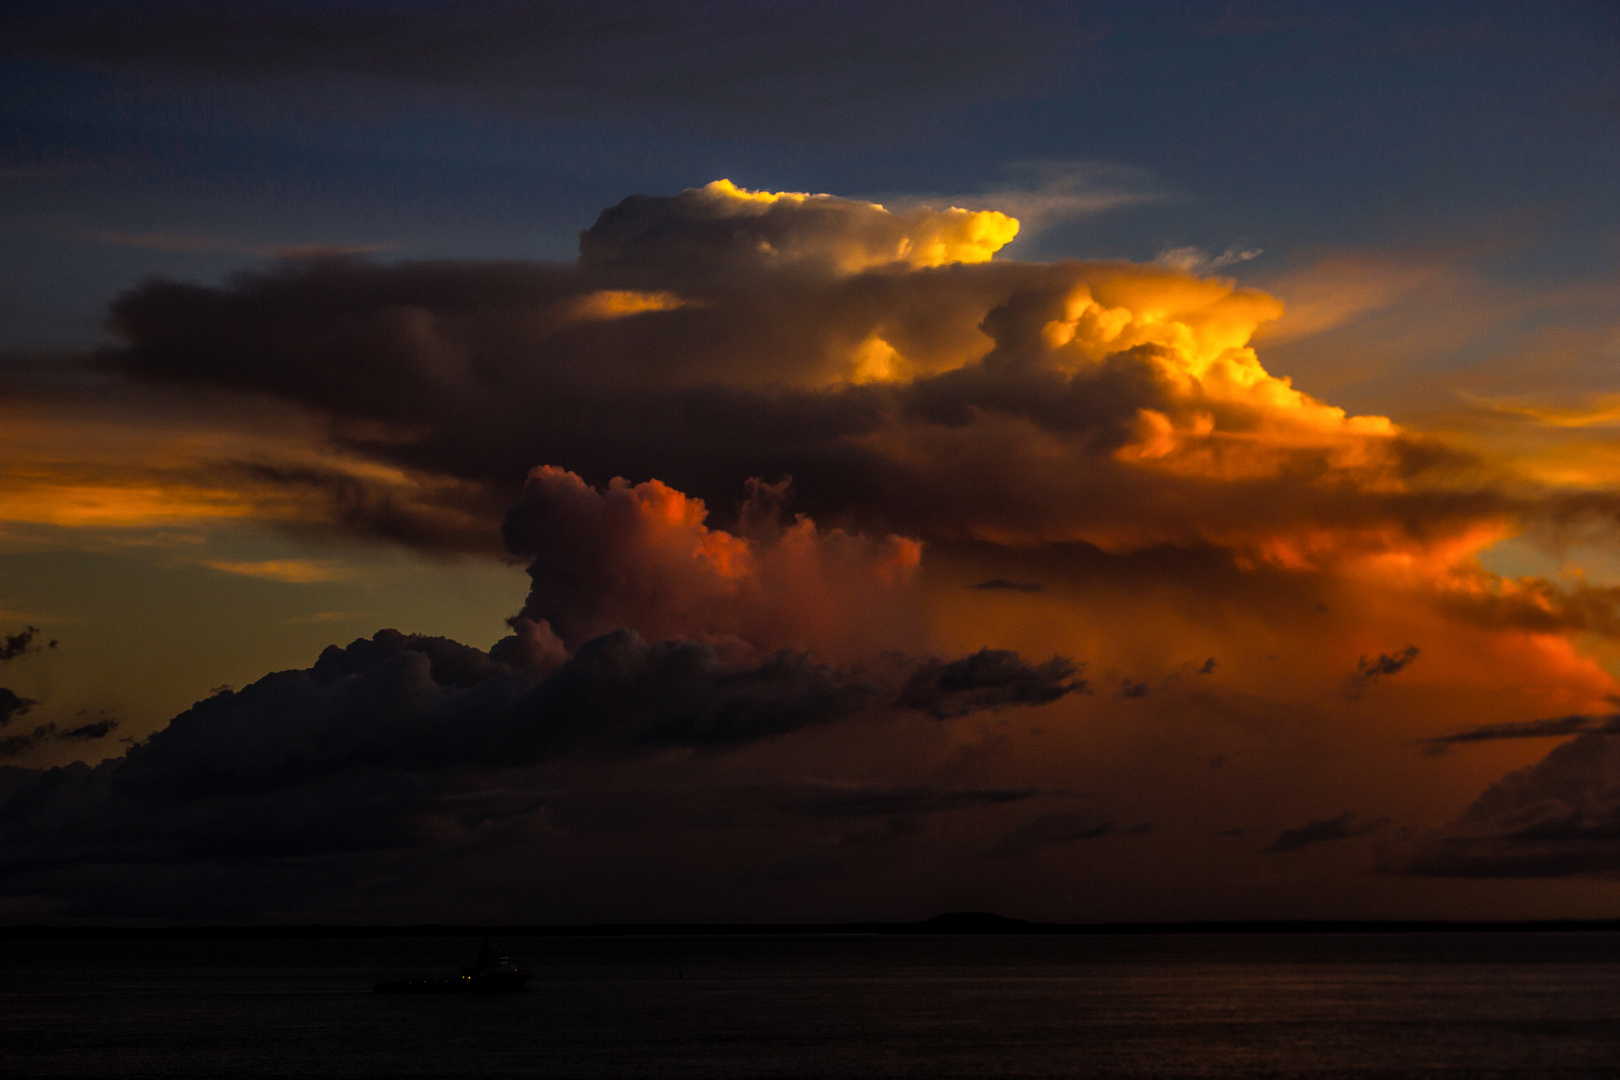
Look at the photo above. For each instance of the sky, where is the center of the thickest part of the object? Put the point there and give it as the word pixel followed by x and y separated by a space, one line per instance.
pixel 526 463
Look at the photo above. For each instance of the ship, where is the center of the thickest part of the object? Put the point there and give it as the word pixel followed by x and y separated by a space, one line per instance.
pixel 490 973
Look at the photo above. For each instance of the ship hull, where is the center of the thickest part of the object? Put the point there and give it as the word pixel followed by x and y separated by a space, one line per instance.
pixel 503 982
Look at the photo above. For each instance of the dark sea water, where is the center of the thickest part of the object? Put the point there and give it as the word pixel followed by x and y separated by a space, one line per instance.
pixel 1317 1005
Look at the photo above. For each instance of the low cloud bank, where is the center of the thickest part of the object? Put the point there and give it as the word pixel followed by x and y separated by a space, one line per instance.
pixel 369 746
pixel 378 743
pixel 1557 818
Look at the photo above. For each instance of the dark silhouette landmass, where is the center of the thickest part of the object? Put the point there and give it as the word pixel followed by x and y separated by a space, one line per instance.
pixel 958 923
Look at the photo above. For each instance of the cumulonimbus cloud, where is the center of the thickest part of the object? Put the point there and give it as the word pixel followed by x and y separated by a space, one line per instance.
pixel 643 556
pixel 1088 456
pixel 356 752
pixel 907 382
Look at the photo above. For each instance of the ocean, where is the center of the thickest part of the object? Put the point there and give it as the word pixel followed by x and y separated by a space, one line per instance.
pixel 1474 1005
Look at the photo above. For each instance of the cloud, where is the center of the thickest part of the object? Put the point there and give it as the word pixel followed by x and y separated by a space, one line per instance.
pixel 1057 830
pixel 16 745
pixel 1557 818
pixel 1345 289
pixel 1602 410
pixel 1550 728
pixel 1343 827
pixel 648 639
pixel 641 556
pixel 1004 585
pixel 316 617
pixel 12 706
pixel 910 389
pixel 290 571
pixel 1042 194
pixel 95 729
pixel 683 696
pixel 958 426
pixel 860 801
pixel 1191 260
pixel 376 742
pixel 1369 671
pixel 87 463
pixel 988 679
pixel 1533 604
pixel 15 645
pixel 723 229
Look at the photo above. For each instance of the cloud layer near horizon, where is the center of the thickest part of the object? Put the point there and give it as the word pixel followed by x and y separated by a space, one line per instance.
pixel 779 463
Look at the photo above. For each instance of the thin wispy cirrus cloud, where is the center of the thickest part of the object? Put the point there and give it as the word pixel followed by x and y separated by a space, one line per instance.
pixel 1042 195
pixel 1197 261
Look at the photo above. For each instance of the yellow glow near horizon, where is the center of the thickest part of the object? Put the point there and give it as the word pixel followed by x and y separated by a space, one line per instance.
pixel 289 571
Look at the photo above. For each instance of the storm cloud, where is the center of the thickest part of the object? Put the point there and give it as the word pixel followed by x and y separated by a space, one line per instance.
pixel 1557 818
pixel 377 740
pixel 643 556
pixel 817 499
pixel 989 679
pixel 720 335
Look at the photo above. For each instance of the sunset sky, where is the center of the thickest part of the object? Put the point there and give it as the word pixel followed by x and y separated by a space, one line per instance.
pixel 541 462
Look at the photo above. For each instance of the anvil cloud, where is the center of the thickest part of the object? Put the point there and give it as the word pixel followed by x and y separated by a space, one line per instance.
pixel 721 335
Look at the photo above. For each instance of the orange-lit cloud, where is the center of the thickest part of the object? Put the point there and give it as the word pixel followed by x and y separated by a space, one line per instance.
pixel 1261 607
pixel 641 556
pixel 291 571
pixel 792 229
pixel 1602 411
pixel 95 472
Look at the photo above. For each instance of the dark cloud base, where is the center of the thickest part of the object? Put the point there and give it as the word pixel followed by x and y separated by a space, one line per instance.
pixel 405 747
pixel 1370 670
pixel 1557 818
pixel 13 705
pixel 1343 827
pixel 1550 728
